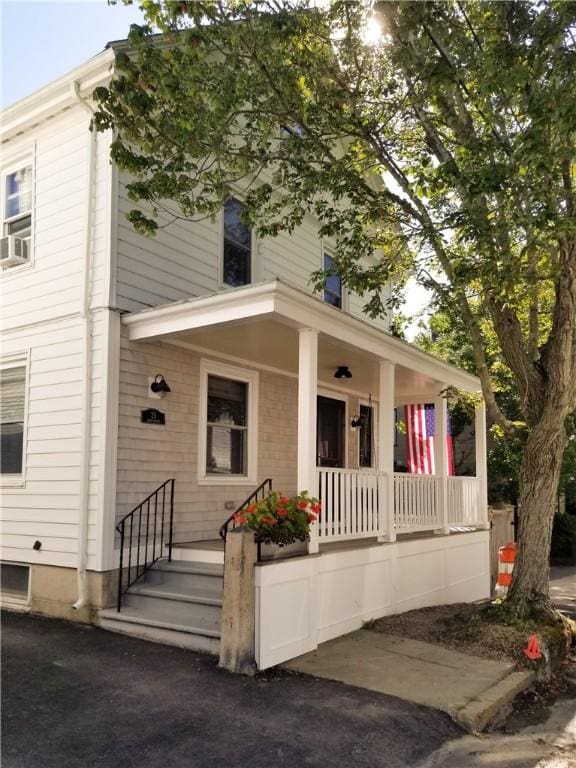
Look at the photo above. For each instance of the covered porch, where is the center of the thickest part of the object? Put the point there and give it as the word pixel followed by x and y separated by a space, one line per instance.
pixel 272 331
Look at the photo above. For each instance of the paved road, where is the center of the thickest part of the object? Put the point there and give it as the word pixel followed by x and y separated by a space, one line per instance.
pixel 79 697
pixel 563 587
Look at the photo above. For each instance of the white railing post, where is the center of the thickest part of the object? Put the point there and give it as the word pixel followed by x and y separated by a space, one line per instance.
pixel 307 397
pixel 481 467
pixel 385 438
pixel 441 461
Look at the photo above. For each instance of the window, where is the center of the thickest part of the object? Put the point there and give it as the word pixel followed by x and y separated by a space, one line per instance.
pixel 333 283
pixel 366 436
pixel 237 258
pixel 291 129
pixel 12 405
pixel 15 581
pixel 17 218
pixel 227 425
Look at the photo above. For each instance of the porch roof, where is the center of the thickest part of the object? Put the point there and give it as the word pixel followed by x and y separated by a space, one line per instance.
pixel 284 306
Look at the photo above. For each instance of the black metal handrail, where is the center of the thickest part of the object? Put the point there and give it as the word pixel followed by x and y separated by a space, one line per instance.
pixel 260 493
pixel 150 536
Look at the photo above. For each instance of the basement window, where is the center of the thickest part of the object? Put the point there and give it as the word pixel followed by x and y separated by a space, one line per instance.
pixel 14 581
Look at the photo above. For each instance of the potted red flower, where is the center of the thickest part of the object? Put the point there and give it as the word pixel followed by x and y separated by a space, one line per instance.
pixel 281 524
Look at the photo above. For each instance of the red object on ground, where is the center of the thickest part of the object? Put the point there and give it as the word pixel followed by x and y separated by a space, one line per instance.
pixel 504 579
pixel 508 553
pixel 532 650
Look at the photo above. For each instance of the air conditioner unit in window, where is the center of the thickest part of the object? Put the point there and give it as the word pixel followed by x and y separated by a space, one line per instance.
pixel 13 251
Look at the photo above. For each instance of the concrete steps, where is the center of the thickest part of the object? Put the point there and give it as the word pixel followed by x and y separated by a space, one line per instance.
pixel 177 603
pixel 209 551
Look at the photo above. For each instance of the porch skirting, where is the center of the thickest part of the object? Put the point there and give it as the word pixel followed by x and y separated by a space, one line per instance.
pixel 305 601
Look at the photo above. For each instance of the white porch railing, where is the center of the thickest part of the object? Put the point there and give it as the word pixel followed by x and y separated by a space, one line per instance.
pixel 416 503
pixel 463 501
pixel 351 506
pixel 354 503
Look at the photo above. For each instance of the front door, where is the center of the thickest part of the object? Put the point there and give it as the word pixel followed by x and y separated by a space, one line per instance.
pixel 330 434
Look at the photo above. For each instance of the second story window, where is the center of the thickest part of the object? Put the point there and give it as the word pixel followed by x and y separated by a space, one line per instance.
pixel 333 284
pixel 18 202
pixel 237 256
pixel 16 215
pixel 12 402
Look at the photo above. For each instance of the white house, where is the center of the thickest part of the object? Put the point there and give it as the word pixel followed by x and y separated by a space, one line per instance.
pixel 98 320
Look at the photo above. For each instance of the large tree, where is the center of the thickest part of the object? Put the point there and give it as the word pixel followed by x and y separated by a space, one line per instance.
pixel 445 337
pixel 445 143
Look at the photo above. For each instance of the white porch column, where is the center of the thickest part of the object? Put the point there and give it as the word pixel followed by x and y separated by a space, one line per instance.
pixel 481 465
pixel 307 397
pixel 441 459
pixel 385 442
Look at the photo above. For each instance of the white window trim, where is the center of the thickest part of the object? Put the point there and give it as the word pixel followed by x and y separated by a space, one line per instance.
pixel 333 394
pixel 327 249
pixel 373 405
pixel 17 361
pixel 254 249
pixel 27 157
pixel 251 378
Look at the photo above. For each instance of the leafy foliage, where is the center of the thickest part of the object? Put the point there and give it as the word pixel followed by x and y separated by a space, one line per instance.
pixel 449 341
pixel 564 539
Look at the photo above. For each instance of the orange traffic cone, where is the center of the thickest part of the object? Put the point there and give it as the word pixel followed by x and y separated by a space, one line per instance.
pixel 532 650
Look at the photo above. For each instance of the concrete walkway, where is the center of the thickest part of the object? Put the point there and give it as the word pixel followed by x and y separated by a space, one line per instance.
pixel 469 689
pixel 545 742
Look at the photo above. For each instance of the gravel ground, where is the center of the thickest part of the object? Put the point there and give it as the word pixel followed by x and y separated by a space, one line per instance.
pixel 461 627
pixel 78 697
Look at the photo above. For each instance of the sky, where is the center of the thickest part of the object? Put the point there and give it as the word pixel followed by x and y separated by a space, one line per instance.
pixel 43 39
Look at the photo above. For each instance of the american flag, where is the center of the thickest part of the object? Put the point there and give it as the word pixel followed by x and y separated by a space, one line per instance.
pixel 420 430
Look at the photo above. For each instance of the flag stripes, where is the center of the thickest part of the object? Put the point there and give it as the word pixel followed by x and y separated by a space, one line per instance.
pixel 420 433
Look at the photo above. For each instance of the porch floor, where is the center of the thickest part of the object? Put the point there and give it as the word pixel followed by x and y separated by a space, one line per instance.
pixel 212 546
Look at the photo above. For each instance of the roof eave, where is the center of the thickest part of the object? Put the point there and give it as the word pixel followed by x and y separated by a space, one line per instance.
pixel 56 96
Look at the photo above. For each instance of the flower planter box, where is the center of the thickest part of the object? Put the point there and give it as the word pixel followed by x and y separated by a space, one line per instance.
pixel 275 552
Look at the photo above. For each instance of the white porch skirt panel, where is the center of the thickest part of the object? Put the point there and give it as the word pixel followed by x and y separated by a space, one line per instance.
pixel 302 602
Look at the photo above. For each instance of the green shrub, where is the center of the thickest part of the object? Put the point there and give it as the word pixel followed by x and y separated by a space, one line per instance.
pixel 564 539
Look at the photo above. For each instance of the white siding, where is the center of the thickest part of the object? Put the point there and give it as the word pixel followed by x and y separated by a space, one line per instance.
pixel 41 306
pixel 51 286
pixel 182 260
pixel 46 506
pixel 179 262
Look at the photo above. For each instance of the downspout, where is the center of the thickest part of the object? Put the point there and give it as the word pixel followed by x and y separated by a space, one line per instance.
pixel 86 364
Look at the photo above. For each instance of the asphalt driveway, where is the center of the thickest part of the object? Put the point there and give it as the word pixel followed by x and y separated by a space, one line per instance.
pixel 76 696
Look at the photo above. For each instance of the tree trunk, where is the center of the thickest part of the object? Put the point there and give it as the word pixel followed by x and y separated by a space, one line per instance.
pixel 539 479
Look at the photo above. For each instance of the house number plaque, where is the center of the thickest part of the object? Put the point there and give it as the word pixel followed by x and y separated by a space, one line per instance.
pixel 152 416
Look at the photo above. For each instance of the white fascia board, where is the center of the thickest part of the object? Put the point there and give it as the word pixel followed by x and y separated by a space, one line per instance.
pixel 297 308
pixel 225 307
pixel 306 310
pixel 55 96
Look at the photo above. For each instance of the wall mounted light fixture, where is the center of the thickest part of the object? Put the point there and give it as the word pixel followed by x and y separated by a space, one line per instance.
pixel 160 386
pixel 343 372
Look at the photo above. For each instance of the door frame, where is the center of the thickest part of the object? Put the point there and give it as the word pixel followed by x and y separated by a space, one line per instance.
pixel 335 395
pixel 376 447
